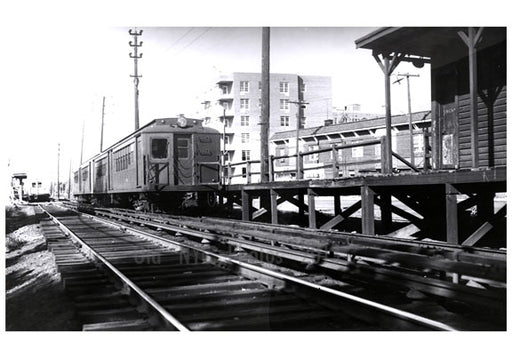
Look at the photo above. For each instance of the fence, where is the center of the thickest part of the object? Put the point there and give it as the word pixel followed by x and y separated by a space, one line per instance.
pixel 334 164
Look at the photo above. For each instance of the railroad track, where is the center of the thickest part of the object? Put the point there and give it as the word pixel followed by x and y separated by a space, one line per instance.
pixel 471 276
pixel 137 280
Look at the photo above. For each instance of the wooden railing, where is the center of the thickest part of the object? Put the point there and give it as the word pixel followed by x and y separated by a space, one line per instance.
pixel 334 164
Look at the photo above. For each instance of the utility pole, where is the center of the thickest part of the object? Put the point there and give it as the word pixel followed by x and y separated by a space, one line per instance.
pixel 58 170
pixel 300 105
pixel 102 124
pixel 265 104
pixel 69 181
pixel 82 146
pixel 411 137
pixel 136 75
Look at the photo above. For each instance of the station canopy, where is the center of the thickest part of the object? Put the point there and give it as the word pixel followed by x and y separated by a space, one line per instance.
pixel 441 44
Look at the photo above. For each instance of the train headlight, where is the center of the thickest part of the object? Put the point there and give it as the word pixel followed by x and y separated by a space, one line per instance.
pixel 182 122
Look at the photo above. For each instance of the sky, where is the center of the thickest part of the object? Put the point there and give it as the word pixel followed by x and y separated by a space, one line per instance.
pixel 59 81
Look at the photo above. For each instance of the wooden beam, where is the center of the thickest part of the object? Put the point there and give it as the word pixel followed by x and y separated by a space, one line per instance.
pixel 274 218
pixel 367 208
pixel 246 205
pixel 337 205
pixel 386 215
pixel 311 209
pixel 471 40
pixel 452 218
pixel 338 219
pixel 484 228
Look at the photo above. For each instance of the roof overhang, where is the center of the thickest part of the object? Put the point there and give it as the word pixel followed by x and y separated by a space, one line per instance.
pixel 426 42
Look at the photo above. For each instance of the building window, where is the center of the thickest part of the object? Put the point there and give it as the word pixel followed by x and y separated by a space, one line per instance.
pixel 244 121
pixel 259 102
pixel 418 143
pixel 284 104
pixel 245 137
pixel 206 104
pixel 313 157
pixel 244 103
pixel 244 86
pixel 357 152
pixel 283 87
pixel 225 89
pixel 285 121
pixel 159 148
pixel 246 155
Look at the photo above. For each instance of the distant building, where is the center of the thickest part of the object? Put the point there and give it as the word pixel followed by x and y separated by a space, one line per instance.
pixel 352 113
pixel 352 161
pixel 234 108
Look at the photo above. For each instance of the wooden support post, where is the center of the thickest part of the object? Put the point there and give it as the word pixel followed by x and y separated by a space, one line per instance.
pixel 273 207
pixel 246 206
pixel 300 166
pixel 384 159
pixel 485 205
pixel 335 165
pixel 271 168
pixel 452 219
pixel 300 198
pixel 311 209
pixel 337 205
pixel 385 212
pixel 387 67
pixel 248 172
pixel 471 40
pixel 367 210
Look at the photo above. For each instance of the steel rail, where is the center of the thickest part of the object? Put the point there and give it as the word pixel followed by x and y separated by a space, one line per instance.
pixel 403 278
pixel 170 319
pixel 411 317
pixel 466 267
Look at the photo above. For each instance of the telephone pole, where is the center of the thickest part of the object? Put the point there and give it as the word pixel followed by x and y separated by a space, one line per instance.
pixel 102 124
pixel 58 171
pixel 411 138
pixel 265 104
pixel 136 75
pixel 300 105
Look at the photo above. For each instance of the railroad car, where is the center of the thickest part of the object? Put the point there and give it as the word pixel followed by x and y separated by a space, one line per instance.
pixel 167 164
pixel 37 191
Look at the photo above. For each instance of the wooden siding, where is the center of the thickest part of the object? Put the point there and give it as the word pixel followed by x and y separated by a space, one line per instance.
pixel 492 135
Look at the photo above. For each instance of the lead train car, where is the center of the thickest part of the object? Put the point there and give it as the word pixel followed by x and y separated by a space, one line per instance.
pixel 167 163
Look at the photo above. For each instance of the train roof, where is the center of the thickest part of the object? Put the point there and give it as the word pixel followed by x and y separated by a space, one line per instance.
pixel 188 125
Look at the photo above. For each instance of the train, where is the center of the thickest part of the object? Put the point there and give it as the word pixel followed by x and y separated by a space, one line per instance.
pixel 37 191
pixel 170 163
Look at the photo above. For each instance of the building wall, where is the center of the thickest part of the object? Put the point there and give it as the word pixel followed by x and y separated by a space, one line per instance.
pixel 451 107
pixel 351 161
pixel 317 93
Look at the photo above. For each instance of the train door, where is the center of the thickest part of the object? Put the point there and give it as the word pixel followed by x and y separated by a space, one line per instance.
pixel 448 120
pixel 138 168
pixel 158 166
pixel 183 159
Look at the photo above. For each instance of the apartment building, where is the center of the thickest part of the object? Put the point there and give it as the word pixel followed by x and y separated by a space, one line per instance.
pixel 234 108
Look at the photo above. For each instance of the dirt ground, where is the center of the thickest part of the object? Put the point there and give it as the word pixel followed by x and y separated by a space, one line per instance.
pixel 35 299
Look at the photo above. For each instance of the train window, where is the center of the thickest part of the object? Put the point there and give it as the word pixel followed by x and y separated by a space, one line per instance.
pixel 182 145
pixel 159 148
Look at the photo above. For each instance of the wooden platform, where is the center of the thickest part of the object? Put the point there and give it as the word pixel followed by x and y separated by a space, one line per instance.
pixel 456 206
